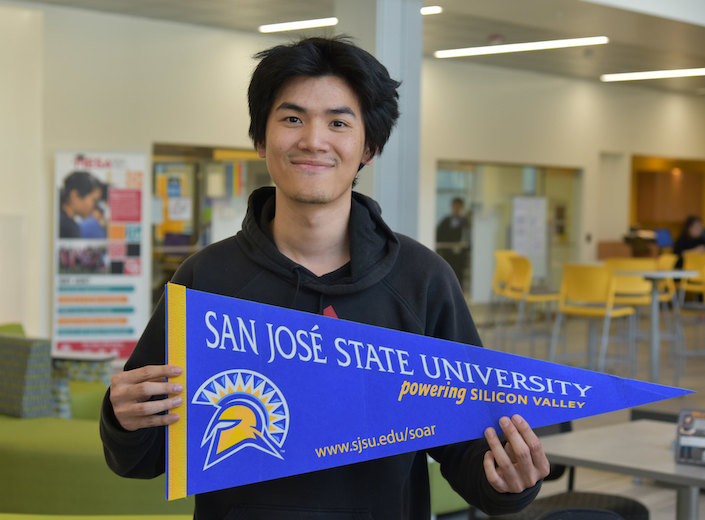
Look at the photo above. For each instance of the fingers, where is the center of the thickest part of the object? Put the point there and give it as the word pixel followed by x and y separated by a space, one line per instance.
pixel 493 477
pixel 520 449
pixel 518 465
pixel 148 373
pixel 538 457
pixel 145 391
pixel 132 393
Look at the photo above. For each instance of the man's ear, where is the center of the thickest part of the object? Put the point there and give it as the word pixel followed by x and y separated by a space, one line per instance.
pixel 261 150
pixel 368 156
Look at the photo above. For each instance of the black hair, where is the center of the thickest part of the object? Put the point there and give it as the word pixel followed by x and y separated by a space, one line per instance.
pixel 376 91
pixel 459 200
pixel 83 182
pixel 692 219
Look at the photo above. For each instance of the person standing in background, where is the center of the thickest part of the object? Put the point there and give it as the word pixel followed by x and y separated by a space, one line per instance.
pixel 452 237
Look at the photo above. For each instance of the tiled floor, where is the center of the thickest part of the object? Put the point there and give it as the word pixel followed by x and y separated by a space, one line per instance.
pixel 660 500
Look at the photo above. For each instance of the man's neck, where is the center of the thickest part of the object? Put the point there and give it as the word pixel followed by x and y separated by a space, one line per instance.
pixel 315 236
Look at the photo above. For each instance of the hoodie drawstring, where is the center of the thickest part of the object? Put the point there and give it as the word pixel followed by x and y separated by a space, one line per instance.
pixel 297 270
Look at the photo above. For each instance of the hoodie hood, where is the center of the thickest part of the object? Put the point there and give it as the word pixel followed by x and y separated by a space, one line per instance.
pixel 373 247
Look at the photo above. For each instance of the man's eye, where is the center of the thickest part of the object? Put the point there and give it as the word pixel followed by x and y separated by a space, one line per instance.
pixel 292 119
pixel 339 124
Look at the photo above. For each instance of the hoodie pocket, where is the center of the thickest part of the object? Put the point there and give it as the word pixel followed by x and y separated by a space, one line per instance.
pixel 280 513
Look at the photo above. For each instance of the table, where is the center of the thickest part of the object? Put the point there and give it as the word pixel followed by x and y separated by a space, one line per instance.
pixel 637 448
pixel 655 277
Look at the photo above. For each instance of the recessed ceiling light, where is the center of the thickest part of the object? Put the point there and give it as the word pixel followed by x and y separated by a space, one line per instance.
pixel 653 74
pixel 521 47
pixel 298 25
pixel 431 9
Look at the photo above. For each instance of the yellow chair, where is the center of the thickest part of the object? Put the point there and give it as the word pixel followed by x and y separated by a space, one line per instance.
pixel 500 276
pixel 693 262
pixel 631 290
pixel 502 269
pixel 518 289
pixel 588 291
pixel 667 262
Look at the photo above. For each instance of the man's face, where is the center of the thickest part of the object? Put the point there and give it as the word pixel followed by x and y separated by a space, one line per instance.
pixel 314 140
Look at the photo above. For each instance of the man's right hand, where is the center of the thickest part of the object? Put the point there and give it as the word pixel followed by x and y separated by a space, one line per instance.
pixel 131 391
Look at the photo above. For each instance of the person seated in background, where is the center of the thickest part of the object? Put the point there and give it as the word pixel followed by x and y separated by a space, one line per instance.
pixel 690 240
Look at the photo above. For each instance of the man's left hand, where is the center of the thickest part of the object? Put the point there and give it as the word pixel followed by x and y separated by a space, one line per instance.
pixel 520 463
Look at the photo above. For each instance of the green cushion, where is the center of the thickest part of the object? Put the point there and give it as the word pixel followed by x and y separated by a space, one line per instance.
pixel 56 466
pixel 12 329
pixel 86 398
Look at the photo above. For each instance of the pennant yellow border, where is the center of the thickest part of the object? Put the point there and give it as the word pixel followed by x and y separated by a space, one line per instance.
pixel 176 433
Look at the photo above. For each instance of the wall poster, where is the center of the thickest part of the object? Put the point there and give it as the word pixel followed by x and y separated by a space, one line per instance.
pixel 101 253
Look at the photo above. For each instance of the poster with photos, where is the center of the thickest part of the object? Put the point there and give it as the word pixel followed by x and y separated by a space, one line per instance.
pixel 101 253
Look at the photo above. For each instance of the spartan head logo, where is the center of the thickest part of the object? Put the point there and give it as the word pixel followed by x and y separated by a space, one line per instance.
pixel 250 411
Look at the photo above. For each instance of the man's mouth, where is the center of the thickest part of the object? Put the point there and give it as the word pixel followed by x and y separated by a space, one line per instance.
pixel 314 164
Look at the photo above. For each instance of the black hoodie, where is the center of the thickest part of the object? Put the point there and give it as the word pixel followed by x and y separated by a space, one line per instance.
pixel 391 281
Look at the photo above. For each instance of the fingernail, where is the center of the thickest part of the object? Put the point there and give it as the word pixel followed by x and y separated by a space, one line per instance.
pixel 518 419
pixel 504 421
pixel 175 371
pixel 177 388
pixel 489 432
pixel 178 400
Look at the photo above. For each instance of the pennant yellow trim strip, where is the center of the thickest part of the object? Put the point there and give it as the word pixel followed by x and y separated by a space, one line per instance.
pixel 176 319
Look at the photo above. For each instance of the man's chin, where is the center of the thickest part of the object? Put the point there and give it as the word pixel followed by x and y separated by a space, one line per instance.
pixel 317 198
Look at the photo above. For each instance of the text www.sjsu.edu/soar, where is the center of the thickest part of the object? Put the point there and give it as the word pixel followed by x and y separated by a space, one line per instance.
pixel 362 443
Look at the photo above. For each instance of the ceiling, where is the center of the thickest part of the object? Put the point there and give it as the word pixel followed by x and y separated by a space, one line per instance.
pixel 637 41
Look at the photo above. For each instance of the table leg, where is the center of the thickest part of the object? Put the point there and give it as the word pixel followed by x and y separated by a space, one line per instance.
pixel 655 333
pixel 687 503
pixel 592 345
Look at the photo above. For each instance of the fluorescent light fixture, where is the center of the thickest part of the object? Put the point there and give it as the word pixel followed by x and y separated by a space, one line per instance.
pixel 431 9
pixel 296 26
pixel 653 74
pixel 521 47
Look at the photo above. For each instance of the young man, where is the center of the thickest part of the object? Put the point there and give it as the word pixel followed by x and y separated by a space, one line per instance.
pixel 321 109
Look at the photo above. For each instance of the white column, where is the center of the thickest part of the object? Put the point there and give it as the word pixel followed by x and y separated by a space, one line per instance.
pixel 392 30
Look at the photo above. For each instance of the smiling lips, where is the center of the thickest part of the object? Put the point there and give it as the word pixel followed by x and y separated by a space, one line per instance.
pixel 313 164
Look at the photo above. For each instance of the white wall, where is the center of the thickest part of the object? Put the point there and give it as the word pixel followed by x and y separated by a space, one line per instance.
pixel 482 113
pixel 123 83
pixel 23 182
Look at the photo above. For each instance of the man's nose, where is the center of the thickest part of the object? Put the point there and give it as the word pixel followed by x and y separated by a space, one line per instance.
pixel 314 137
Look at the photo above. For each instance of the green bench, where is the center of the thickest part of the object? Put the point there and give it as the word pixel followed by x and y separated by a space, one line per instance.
pixel 56 466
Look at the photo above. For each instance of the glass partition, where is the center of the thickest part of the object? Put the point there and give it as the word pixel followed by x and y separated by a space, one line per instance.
pixel 483 207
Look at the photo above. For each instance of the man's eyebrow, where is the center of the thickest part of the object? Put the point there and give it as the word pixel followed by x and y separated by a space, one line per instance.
pixel 342 110
pixel 286 105
pixel 291 106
